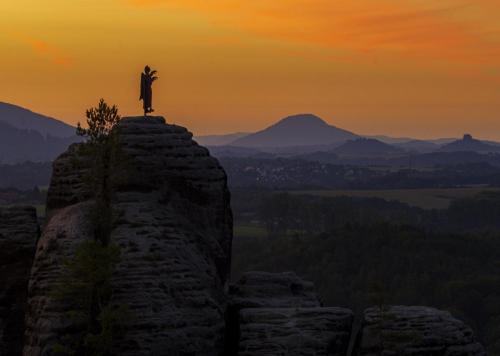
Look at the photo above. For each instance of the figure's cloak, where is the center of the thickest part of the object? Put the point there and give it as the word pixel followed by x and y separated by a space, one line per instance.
pixel 143 87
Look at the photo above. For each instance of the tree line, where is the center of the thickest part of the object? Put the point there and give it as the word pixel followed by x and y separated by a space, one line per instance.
pixel 362 252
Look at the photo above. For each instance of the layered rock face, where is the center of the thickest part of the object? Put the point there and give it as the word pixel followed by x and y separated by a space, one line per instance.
pixel 46 319
pixel 281 314
pixel 273 290
pixel 174 228
pixel 294 331
pixel 400 330
pixel 18 236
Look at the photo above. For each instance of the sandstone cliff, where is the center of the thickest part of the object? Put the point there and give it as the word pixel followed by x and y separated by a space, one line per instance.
pixel 174 229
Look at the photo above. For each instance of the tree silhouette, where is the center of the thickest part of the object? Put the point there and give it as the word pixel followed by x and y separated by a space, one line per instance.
pixel 100 121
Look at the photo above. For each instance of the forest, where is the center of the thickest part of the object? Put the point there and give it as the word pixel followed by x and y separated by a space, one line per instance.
pixel 362 252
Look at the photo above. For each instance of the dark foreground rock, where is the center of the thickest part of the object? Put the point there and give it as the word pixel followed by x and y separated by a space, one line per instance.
pixel 18 236
pixel 46 319
pixel 294 331
pixel 174 228
pixel 273 290
pixel 400 330
pixel 281 314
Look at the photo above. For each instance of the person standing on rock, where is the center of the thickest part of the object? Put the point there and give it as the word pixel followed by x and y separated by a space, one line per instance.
pixel 147 79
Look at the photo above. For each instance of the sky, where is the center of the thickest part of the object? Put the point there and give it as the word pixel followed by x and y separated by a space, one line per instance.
pixel 419 68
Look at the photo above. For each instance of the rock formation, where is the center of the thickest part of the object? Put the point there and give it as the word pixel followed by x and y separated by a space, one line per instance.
pixel 273 290
pixel 281 314
pixel 400 330
pixel 18 236
pixel 174 227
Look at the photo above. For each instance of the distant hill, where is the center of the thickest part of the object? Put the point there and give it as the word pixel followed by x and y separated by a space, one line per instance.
pixel 232 151
pixel 441 158
pixel 28 136
pixel 24 119
pixel 25 175
pixel 320 156
pixel 388 139
pixel 442 141
pixel 468 143
pixel 366 147
pixel 18 145
pixel 419 146
pixel 297 130
pixel 219 140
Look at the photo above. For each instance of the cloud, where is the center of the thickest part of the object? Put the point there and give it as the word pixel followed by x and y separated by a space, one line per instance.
pixel 46 50
pixel 418 29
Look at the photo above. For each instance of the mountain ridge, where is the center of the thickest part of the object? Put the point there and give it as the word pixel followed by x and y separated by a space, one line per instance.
pixel 25 119
pixel 22 145
pixel 29 136
pixel 220 140
pixel 468 143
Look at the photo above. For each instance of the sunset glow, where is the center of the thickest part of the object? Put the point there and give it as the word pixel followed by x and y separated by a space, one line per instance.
pixel 420 68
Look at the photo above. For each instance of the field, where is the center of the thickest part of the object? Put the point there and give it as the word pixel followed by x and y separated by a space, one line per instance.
pixel 435 198
pixel 249 231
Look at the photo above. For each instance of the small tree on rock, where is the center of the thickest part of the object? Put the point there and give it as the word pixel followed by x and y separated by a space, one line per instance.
pixel 86 281
pixel 101 121
pixel 101 149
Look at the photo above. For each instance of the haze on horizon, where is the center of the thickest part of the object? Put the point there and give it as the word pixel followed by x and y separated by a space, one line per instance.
pixel 417 68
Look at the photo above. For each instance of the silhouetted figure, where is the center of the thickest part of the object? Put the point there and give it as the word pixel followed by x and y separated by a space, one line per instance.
pixel 147 79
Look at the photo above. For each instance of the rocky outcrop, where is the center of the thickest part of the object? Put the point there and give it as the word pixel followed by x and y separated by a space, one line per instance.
pixel 281 314
pixel 400 330
pixel 273 290
pixel 18 236
pixel 67 184
pixel 174 227
pixel 294 331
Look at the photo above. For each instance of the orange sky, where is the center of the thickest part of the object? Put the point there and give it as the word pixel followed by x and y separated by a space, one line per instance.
pixel 422 68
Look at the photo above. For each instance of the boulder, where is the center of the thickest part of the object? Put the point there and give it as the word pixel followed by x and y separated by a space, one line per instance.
pixel 281 314
pixel 18 235
pixel 273 290
pixel 414 330
pixel 294 331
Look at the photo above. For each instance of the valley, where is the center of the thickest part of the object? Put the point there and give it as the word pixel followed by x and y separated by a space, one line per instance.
pixel 327 210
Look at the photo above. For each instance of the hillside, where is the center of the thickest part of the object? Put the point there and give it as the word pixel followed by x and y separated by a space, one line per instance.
pixel 25 175
pixel 24 119
pixel 219 140
pixel 28 136
pixel 297 130
pixel 468 143
pixel 419 146
pixel 20 145
pixel 366 147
